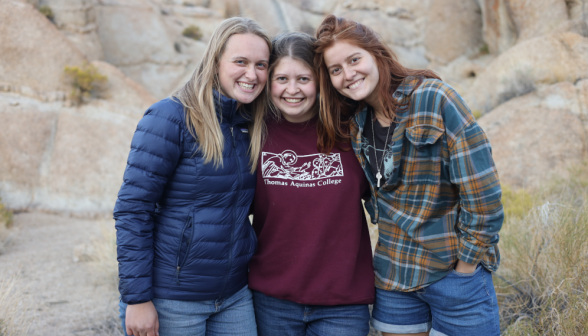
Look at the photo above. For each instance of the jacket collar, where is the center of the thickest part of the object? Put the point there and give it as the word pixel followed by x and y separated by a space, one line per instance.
pixel 226 109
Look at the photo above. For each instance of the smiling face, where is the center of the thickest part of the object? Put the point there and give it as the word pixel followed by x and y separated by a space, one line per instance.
pixel 293 90
pixel 353 71
pixel 243 67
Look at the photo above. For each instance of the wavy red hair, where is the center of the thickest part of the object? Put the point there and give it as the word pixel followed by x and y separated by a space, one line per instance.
pixel 335 109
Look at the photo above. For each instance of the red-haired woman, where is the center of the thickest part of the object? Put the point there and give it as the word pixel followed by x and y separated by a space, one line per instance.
pixel 435 189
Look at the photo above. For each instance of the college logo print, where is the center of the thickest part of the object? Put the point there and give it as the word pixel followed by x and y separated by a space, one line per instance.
pixel 289 165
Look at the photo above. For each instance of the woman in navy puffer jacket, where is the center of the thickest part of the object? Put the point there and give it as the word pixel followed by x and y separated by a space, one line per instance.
pixel 183 233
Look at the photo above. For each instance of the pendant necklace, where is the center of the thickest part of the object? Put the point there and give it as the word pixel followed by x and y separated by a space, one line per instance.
pixel 379 166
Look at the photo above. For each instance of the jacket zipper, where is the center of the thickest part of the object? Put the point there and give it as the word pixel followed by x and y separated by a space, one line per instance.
pixel 234 214
pixel 178 265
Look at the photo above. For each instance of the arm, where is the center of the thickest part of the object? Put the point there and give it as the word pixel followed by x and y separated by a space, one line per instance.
pixel 472 170
pixel 155 152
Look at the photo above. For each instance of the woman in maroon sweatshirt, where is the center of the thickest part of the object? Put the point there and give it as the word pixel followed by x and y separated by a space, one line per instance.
pixel 312 273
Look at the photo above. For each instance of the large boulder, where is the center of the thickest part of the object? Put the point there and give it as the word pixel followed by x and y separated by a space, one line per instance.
pixel 147 46
pixel 507 22
pixel 578 10
pixel 33 53
pixel 77 21
pixel 540 134
pixel 499 30
pixel 401 33
pixel 121 90
pixel 543 60
pixel 534 18
pixel 453 29
pixel 267 12
pixel 63 159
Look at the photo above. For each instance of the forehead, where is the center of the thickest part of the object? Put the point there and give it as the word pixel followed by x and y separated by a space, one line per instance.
pixel 289 64
pixel 339 51
pixel 246 45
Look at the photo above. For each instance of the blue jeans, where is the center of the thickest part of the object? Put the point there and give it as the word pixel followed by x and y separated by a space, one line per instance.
pixel 232 316
pixel 459 304
pixel 287 318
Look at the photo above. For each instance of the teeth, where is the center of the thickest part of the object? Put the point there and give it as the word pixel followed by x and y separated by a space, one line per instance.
pixel 296 100
pixel 246 86
pixel 356 84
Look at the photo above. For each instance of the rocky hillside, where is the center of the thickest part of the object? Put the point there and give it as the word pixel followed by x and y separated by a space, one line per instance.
pixel 522 66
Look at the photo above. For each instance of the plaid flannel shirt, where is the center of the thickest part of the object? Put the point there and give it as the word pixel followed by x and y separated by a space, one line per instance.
pixel 441 202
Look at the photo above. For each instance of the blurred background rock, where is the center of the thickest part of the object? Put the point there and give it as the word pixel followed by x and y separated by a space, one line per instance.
pixel 522 66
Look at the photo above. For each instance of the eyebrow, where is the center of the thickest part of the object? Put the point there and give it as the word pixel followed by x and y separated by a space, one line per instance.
pixel 299 75
pixel 243 57
pixel 346 58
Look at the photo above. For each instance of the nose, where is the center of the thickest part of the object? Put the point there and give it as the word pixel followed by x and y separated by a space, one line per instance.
pixel 349 73
pixel 292 87
pixel 250 74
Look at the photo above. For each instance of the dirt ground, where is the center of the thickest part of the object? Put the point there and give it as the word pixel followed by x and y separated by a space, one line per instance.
pixel 63 297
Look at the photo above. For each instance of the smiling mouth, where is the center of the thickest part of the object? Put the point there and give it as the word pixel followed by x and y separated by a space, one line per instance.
pixel 246 86
pixel 355 85
pixel 293 100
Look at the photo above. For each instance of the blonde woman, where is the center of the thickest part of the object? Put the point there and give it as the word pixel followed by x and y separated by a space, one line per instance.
pixel 183 235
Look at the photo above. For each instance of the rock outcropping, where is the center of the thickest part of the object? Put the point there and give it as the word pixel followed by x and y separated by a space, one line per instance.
pixel 522 65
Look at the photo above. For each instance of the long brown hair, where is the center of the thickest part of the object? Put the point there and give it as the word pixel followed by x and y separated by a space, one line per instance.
pixel 335 109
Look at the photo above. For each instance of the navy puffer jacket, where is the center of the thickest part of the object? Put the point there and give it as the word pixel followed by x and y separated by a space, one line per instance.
pixel 183 231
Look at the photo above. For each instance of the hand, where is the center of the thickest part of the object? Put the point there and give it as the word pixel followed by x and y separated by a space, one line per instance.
pixel 464 267
pixel 141 320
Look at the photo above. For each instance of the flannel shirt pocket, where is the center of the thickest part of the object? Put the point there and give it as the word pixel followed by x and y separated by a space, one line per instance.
pixel 422 164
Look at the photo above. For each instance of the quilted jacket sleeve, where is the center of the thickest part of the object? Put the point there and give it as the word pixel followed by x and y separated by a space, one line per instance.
pixel 155 152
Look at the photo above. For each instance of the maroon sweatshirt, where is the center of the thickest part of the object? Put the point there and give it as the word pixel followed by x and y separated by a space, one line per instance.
pixel 313 241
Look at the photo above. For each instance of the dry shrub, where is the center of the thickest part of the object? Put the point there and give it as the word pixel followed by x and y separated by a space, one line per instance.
pixel 192 32
pixel 14 320
pixel 86 81
pixel 542 283
pixel 6 220
pixel 48 12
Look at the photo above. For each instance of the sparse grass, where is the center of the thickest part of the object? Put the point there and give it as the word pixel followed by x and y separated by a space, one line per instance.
pixel 14 320
pixel 192 32
pixel 542 283
pixel 86 81
pixel 6 220
pixel 48 12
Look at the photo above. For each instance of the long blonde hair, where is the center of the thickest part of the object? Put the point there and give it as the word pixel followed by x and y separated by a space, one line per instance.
pixel 198 100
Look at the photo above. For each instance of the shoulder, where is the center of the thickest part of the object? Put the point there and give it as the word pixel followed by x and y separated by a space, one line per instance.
pixel 168 109
pixel 437 98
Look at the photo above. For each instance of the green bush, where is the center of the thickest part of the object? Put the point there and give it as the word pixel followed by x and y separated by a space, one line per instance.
pixel 47 11
pixel 192 32
pixel 85 81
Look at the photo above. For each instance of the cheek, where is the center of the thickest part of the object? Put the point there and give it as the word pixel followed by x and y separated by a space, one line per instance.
pixel 276 91
pixel 261 77
pixel 310 93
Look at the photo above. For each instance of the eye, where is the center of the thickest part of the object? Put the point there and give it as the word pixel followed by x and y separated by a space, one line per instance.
pixel 304 79
pixel 262 65
pixel 354 60
pixel 281 79
pixel 335 71
pixel 240 62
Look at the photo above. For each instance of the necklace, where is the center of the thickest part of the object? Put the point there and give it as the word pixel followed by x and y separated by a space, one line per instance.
pixel 379 165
